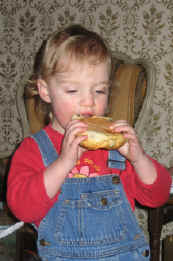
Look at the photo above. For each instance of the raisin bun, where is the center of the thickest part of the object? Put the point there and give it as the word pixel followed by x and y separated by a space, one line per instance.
pixel 100 136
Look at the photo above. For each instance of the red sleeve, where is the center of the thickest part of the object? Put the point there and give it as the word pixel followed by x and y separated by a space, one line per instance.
pixel 153 195
pixel 26 194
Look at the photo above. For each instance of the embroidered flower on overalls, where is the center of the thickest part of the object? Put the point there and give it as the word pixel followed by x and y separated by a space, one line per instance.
pixel 91 163
pixel 82 173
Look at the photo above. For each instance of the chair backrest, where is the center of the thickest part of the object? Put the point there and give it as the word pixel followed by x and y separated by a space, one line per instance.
pixel 128 92
pixel 35 113
pixel 126 97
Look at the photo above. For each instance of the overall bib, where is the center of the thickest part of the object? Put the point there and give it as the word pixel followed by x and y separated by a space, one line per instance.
pixel 92 219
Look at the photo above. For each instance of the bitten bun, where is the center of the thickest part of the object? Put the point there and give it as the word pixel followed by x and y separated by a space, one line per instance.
pixel 100 136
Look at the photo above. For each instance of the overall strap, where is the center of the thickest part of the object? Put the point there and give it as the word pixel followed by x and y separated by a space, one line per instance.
pixel 47 150
pixel 116 160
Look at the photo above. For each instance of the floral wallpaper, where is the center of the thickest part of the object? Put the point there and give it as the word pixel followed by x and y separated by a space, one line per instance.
pixel 140 29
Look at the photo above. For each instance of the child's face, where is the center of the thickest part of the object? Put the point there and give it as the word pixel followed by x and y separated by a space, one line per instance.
pixel 83 89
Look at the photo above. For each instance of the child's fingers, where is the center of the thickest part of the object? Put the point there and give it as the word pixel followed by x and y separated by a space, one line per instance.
pixel 74 124
pixel 75 127
pixel 72 129
pixel 123 127
pixel 77 140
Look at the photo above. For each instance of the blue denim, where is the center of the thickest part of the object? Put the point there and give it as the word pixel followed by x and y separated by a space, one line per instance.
pixel 92 220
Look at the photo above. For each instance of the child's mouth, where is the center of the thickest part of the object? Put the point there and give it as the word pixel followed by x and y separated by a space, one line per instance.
pixel 82 116
pixel 86 115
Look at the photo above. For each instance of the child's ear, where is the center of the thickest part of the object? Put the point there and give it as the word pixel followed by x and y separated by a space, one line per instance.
pixel 43 90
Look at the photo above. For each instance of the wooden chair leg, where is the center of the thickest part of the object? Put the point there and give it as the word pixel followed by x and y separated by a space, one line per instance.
pixel 156 217
pixel 26 243
pixel 19 245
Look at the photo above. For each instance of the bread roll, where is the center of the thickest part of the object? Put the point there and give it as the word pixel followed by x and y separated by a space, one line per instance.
pixel 100 136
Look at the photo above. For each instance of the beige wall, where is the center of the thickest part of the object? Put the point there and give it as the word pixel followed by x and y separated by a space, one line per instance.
pixel 141 29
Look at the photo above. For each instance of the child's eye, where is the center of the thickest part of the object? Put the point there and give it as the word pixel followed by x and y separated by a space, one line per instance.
pixel 101 91
pixel 71 91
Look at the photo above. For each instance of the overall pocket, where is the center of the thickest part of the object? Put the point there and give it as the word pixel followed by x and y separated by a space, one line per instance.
pixel 96 219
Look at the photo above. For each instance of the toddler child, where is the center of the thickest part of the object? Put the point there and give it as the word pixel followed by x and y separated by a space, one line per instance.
pixel 82 201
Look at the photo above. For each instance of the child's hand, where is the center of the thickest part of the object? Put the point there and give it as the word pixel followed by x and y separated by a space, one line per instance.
pixel 70 150
pixel 132 149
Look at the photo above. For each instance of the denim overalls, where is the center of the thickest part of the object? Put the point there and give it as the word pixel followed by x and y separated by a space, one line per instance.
pixel 92 219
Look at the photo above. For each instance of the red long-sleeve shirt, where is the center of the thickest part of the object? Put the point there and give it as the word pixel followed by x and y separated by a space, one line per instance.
pixel 26 194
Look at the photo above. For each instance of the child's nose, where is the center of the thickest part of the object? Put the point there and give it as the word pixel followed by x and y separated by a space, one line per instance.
pixel 87 100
